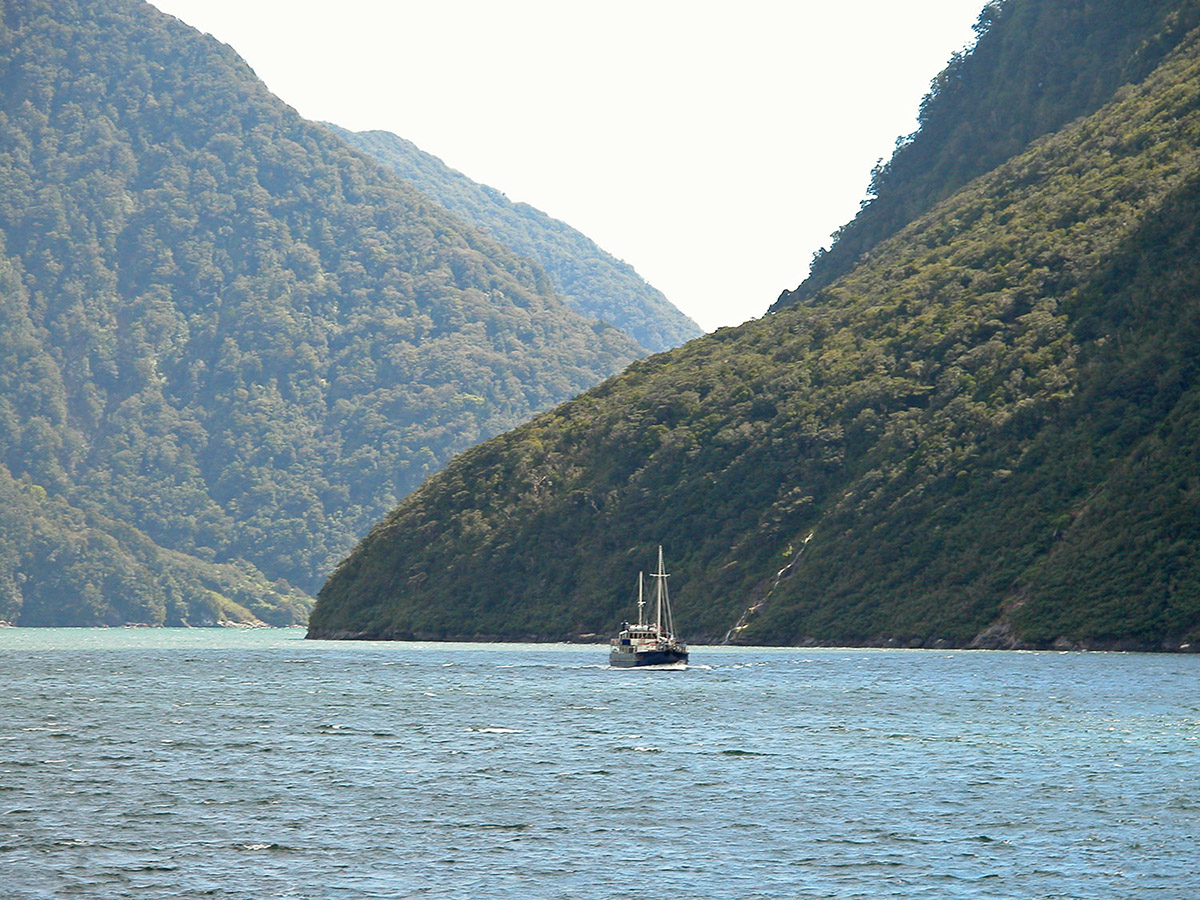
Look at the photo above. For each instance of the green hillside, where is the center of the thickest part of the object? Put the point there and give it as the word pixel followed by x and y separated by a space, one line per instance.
pixel 593 282
pixel 984 434
pixel 1035 67
pixel 230 343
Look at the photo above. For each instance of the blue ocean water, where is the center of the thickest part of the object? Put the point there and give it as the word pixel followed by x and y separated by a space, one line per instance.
pixel 254 764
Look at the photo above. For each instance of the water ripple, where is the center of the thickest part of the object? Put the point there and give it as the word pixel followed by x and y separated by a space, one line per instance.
pixel 254 764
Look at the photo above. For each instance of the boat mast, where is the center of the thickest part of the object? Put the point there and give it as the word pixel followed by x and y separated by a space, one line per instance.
pixel 660 590
pixel 641 602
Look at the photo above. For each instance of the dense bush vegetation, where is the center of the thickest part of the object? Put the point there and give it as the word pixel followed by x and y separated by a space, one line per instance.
pixel 229 343
pixel 594 283
pixel 985 433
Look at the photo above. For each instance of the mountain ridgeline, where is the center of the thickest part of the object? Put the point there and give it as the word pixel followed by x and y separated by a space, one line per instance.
pixel 982 429
pixel 1035 67
pixel 229 343
pixel 594 283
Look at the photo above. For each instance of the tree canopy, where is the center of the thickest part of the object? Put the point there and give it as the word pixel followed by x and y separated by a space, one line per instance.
pixel 593 282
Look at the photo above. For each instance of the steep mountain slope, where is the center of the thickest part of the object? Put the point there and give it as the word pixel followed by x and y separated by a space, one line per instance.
pixel 983 434
pixel 226 333
pixel 594 283
pixel 1036 67
pixel 109 573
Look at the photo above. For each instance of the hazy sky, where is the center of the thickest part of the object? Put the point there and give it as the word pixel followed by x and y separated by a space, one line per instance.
pixel 713 146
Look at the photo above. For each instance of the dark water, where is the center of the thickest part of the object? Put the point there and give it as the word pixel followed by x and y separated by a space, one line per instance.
pixel 253 764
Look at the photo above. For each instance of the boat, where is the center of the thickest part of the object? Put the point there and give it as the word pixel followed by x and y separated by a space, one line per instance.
pixel 650 643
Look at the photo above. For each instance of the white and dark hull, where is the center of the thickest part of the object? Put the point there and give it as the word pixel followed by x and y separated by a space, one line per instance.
pixel 625 659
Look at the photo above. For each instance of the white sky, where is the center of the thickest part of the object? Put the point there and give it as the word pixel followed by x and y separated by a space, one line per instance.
pixel 714 146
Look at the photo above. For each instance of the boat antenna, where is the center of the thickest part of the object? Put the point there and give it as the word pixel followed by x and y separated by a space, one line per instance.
pixel 641 601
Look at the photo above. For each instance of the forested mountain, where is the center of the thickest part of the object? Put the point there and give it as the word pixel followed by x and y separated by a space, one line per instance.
pixel 229 342
pixel 1035 67
pixel 985 433
pixel 593 282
